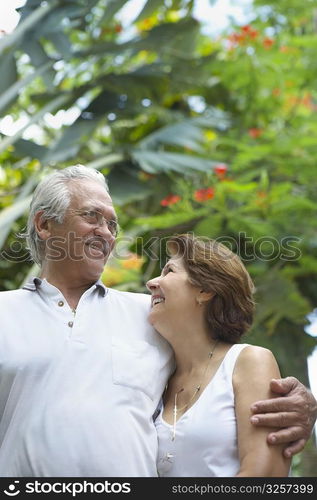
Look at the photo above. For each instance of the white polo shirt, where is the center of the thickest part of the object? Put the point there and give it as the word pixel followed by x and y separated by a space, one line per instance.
pixel 78 391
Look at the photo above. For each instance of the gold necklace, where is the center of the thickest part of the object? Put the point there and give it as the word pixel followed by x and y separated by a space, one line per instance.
pixel 197 389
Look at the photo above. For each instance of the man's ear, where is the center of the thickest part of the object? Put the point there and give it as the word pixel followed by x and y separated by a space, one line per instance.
pixel 42 226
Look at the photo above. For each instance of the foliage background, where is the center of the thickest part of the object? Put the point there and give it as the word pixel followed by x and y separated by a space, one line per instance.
pixel 215 135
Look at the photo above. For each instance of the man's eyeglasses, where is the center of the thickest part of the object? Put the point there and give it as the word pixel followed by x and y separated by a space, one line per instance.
pixel 93 217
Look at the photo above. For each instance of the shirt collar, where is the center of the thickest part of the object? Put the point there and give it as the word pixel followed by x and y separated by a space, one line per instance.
pixel 34 283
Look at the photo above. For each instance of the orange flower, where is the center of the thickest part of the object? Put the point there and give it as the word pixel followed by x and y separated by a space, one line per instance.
pixel 204 194
pixel 237 38
pixel 276 92
pixel 253 33
pixel 171 199
pixel 133 262
pixel 220 170
pixel 255 132
pixel 267 42
pixel 261 199
pixel 261 194
pixel 307 101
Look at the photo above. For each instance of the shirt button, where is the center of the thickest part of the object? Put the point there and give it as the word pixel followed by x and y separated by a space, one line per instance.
pixel 60 303
pixel 70 323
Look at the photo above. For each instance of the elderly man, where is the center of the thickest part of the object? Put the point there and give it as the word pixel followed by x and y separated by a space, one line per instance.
pixel 81 369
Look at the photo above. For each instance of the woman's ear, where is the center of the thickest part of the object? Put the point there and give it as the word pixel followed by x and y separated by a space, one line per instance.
pixel 204 297
pixel 42 226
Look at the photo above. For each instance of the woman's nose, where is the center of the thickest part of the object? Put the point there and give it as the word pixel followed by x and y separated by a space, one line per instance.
pixel 152 284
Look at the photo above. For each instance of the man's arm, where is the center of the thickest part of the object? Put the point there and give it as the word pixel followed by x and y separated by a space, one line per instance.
pixel 295 413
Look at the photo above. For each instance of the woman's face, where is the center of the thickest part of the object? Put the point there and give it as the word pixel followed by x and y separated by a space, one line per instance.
pixel 173 297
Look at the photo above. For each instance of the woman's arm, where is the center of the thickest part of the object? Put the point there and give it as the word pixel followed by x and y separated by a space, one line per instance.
pixel 294 413
pixel 254 369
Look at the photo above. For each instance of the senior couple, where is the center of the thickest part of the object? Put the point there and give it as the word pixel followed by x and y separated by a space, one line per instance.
pixel 88 387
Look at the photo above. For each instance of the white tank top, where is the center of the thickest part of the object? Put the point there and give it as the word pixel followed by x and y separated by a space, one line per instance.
pixel 205 443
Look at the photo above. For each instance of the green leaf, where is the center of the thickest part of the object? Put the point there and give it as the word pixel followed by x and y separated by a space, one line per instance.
pixel 61 44
pixel 27 24
pixel 51 106
pixel 39 58
pixel 278 298
pixel 70 141
pixel 168 219
pixel 105 102
pixel 10 214
pixel 13 90
pixel 8 72
pixel 169 35
pixel 184 134
pixel 25 148
pixel 125 187
pixel 157 161
pixel 149 8
pixel 213 117
pixel 210 226
pixel 147 81
pixel 113 6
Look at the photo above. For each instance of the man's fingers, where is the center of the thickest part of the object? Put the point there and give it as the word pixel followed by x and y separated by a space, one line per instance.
pixel 282 419
pixel 294 448
pixel 283 385
pixel 285 436
pixel 271 405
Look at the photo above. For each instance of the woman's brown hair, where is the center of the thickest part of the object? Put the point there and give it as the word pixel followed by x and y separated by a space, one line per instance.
pixel 212 267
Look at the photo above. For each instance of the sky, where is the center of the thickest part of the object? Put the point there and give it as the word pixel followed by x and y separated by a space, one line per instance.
pixel 215 18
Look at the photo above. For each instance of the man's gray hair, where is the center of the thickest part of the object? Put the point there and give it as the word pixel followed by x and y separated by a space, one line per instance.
pixel 52 196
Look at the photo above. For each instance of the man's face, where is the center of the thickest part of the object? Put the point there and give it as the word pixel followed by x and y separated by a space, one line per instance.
pixel 81 244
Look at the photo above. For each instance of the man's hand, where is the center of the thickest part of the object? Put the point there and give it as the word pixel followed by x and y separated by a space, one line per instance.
pixel 294 413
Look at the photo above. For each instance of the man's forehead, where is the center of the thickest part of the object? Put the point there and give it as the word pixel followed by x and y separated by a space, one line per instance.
pixel 89 191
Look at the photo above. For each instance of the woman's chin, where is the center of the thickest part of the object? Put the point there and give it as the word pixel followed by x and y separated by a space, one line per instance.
pixel 151 318
pixel 154 321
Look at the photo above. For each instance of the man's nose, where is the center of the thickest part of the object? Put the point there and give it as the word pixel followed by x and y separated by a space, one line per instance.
pixel 103 231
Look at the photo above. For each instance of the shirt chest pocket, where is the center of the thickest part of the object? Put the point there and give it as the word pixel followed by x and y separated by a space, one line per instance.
pixel 135 365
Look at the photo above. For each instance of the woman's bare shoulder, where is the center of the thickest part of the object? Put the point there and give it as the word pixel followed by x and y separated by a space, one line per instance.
pixel 254 361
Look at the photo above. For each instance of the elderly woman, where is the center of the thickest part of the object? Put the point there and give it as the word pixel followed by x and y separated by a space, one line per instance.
pixel 202 304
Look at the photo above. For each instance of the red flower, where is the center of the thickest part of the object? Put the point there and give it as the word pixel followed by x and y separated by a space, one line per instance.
pixel 171 199
pixel 204 194
pixel 267 43
pixel 220 170
pixel 248 30
pixel 255 132
pixel 246 33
